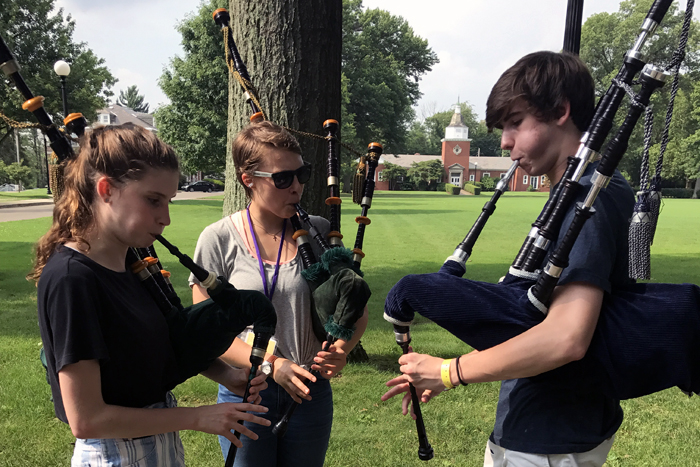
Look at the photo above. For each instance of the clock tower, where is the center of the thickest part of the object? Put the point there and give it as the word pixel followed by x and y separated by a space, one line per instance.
pixel 455 149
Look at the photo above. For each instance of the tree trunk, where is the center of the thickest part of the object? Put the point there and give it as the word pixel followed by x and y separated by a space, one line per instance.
pixel 292 50
pixel 696 191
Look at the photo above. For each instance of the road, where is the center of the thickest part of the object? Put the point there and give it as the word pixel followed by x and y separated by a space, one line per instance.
pixel 34 209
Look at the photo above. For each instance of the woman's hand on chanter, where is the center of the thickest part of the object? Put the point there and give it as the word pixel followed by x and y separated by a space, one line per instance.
pixel 220 419
pixel 291 377
pixel 330 363
pixel 237 380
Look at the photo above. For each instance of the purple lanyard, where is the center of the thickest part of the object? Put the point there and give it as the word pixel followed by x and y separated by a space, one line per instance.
pixel 260 262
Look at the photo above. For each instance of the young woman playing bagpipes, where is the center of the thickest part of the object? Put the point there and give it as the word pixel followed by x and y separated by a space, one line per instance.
pixel 109 354
pixel 543 104
pixel 255 249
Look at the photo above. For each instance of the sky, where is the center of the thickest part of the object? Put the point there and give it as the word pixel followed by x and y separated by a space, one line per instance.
pixel 475 40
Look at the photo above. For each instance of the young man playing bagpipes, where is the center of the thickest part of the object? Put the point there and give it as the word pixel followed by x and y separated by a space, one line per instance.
pixel 543 104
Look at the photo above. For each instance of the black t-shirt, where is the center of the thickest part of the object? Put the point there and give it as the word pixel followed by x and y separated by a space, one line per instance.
pixel 89 312
pixel 547 414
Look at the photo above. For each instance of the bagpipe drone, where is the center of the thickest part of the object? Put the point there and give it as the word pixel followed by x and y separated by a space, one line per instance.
pixel 648 335
pixel 199 333
pixel 339 293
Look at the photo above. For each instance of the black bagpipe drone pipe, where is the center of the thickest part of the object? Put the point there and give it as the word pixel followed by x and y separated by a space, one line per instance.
pixel 235 63
pixel 648 335
pixel 338 290
pixel 202 332
pixel 59 141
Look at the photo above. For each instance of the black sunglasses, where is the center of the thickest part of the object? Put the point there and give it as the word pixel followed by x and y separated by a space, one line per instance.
pixel 285 178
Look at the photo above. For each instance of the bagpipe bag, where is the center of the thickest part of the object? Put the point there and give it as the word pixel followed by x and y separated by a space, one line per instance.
pixel 647 338
pixel 202 332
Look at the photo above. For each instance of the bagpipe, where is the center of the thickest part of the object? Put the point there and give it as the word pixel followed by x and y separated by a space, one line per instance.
pixel 648 335
pixel 60 141
pixel 203 332
pixel 200 333
pixel 339 293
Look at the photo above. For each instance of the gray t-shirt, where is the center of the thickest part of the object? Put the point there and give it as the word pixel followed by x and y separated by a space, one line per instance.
pixel 221 248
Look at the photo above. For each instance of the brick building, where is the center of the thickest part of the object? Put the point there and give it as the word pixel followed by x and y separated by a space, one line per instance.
pixel 460 167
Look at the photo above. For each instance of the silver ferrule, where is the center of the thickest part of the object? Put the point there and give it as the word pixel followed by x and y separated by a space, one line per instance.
pixel 357 258
pixel 534 232
pixel 655 73
pixel 303 239
pixel 598 182
pixel 143 274
pixel 585 156
pixel 552 270
pixel 648 28
pixel 335 241
pixel 9 67
pixel 460 255
pixel 366 201
pixel 402 337
pixel 332 181
pixel 541 243
pixel 153 269
pixel 503 183
pixel 246 95
pixel 257 352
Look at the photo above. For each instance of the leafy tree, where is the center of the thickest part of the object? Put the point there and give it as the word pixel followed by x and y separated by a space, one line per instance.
pixel 132 99
pixel 606 38
pixel 394 174
pixel 429 172
pixel 383 61
pixel 19 174
pixel 194 122
pixel 39 35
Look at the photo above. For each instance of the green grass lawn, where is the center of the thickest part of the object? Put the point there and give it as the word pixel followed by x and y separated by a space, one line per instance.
pixel 35 193
pixel 410 233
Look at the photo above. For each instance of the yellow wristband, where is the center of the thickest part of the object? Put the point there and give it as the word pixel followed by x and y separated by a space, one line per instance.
pixel 445 374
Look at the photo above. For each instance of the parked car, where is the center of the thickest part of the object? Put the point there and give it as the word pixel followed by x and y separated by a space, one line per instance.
pixel 9 187
pixel 199 186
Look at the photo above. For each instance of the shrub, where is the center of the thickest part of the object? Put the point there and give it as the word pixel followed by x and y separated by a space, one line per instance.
pixel 451 189
pixel 677 192
pixel 475 190
pixel 422 185
pixel 488 184
pixel 530 188
pixel 407 185
pixel 441 186
pixel 218 184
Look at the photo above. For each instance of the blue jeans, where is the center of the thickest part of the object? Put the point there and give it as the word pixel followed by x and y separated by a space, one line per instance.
pixel 307 435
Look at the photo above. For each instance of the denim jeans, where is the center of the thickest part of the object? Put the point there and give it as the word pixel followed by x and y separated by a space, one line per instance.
pixel 308 432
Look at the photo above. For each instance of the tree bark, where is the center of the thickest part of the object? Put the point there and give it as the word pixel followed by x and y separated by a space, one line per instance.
pixel 696 191
pixel 292 49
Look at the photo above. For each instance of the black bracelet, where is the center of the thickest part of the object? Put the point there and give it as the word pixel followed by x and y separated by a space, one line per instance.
pixel 459 375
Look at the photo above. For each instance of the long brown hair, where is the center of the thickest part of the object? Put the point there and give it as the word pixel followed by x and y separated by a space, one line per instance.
pixel 123 153
pixel 252 142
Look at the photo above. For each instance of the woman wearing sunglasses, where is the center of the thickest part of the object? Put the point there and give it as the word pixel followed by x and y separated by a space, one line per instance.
pixel 254 249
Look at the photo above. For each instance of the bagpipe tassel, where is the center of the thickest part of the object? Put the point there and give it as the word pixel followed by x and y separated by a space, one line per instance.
pixel 641 233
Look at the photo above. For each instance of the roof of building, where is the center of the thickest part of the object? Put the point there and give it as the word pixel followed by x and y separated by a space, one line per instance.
pixel 482 163
pixel 126 115
pixel 405 160
pixel 457 118
pixel 490 163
